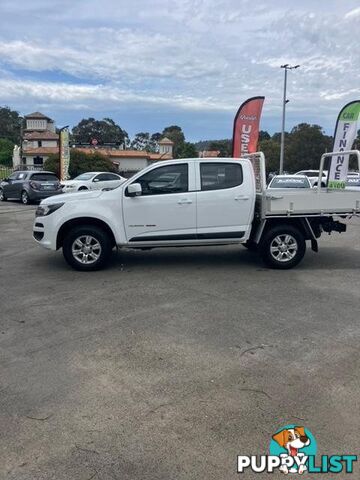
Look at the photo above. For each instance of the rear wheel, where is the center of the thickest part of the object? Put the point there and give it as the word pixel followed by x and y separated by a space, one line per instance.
pixel 283 247
pixel 83 188
pixel 87 248
pixel 25 198
pixel 2 196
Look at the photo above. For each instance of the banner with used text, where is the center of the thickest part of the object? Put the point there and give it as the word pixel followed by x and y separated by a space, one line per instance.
pixel 344 136
pixel 246 127
pixel 64 154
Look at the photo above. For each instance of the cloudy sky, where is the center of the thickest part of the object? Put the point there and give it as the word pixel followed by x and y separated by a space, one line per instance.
pixel 151 63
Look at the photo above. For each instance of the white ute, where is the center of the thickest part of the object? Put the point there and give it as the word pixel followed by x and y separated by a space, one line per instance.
pixel 191 202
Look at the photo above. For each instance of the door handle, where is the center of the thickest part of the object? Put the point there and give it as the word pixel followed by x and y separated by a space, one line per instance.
pixel 184 201
pixel 242 197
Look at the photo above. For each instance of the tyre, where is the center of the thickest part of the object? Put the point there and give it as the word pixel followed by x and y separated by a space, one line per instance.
pixel 283 247
pixel 87 248
pixel 25 198
pixel 2 196
pixel 82 189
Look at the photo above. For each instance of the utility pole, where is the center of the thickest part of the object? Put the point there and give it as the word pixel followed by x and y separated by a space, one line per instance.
pixel 286 67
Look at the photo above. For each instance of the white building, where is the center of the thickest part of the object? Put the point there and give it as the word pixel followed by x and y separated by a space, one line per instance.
pixel 39 140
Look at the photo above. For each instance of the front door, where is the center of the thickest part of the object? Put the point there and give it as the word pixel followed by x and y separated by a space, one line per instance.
pixel 166 210
pixel 9 187
pixel 18 183
pixel 225 201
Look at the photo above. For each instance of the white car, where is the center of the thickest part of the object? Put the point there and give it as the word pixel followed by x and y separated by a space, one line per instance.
pixel 313 176
pixel 353 181
pixel 92 181
pixel 289 181
pixel 192 202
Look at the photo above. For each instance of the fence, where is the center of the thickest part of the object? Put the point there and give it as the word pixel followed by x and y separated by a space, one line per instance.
pixel 7 171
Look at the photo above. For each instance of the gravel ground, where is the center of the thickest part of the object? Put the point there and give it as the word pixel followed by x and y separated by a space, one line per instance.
pixel 172 362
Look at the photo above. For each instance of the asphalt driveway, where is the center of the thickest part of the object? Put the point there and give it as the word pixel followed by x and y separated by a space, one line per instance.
pixel 172 362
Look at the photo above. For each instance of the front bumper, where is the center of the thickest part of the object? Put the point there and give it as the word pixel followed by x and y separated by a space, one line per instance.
pixel 43 232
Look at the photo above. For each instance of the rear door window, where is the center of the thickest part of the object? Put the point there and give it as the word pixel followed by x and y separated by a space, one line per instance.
pixel 21 176
pixel 216 176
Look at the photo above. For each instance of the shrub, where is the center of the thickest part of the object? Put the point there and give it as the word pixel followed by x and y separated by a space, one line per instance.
pixel 81 162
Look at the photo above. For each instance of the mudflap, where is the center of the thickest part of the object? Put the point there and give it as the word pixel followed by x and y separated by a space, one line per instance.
pixel 314 245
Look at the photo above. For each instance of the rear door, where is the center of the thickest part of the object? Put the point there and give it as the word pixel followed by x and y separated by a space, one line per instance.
pixel 225 200
pixel 166 210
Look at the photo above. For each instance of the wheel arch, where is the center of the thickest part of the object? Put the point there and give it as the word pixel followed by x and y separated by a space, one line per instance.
pixel 299 223
pixel 75 222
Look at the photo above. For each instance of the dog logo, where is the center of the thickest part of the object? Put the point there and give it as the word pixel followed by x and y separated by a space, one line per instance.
pixel 293 444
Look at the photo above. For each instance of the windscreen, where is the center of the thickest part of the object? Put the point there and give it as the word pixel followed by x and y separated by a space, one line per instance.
pixel 44 177
pixel 292 182
pixel 84 176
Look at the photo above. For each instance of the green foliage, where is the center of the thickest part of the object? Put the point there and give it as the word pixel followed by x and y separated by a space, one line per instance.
pixel 104 131
pixel 304 147
pixel 6 151
pixel 223 146
pixel 52 164
pixel 271 149
pixel 188 150
pixel 81 162
pixel 10 125
pixel 176 135
pixel 144 142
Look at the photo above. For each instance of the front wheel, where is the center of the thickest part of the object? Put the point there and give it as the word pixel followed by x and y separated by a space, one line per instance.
pixel 87 248
pixel 2 196
pixel 283 247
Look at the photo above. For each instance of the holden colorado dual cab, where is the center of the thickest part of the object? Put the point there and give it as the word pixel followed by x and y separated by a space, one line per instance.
pixel 188 202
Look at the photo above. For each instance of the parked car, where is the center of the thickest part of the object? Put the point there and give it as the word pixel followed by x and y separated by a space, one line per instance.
pixel 352 181
pixel 92 181
pixel 289 181
pixel 29 186
pixel 313 176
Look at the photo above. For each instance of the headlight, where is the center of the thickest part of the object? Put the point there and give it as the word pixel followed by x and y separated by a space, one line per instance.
pixel 44 210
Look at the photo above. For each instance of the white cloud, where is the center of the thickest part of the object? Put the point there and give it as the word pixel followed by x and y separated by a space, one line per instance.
pixel 353 13
pixel 190 55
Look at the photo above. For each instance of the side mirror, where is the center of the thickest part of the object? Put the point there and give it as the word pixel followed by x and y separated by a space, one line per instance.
pixel 96 180
pixel 134 190
pixel 7 179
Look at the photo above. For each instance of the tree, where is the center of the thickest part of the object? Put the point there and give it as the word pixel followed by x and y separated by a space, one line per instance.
pixel 223 146
pixel 103 131
pixel 176 135
pixel 6 151
pixel 10 124
pixel 264 135
pixel 188 150
pixel 144 142
pixel 304 147
pixel 271 150
pixel 81 162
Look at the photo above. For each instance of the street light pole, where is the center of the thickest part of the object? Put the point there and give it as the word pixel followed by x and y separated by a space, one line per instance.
pixel 286 67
